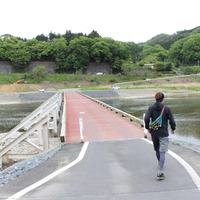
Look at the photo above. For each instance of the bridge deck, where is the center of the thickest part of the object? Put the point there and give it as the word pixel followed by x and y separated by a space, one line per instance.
pixel 99 123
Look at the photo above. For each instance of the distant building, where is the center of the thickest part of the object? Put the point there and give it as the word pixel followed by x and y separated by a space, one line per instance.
pixel 5 37
pixel 149 65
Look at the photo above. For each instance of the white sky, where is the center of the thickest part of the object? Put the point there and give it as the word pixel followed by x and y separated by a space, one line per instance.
pixel 123 20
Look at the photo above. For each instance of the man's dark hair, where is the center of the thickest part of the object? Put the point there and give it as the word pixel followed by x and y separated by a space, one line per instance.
pixel 159 96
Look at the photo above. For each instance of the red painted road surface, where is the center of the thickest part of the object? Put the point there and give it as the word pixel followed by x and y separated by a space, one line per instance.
pixel 99 123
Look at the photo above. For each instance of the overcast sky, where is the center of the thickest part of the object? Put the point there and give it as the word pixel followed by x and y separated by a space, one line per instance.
pixel 123 20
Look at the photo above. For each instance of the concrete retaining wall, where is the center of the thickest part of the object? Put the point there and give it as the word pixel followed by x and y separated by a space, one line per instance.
pixel 93 68
pixel 48 64
pixel 6 66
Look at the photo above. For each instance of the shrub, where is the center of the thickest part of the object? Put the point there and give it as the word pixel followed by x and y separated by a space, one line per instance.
pixel 163 66
pixel 190 69
pixel 38 72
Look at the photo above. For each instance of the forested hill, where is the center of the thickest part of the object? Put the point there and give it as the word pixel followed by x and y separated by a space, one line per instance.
pixel 72 52
pixel 166 40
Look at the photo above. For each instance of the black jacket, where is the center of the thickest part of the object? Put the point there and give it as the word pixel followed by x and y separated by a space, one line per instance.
pixel 153 112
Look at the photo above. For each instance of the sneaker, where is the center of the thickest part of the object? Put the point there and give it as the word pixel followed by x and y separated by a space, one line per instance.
pixel 160 176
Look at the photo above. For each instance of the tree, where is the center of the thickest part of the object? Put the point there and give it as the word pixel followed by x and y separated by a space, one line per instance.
pixel 128 67
pixel 153 54
pixel 109 51
pixel 120 52
pixel 3 51
pixel 156 50
pixel 191 49
pixel 71 36
pixel 42 37
pixel 19 58
pixel 17 53
pixel 39 50
pixel 58 52
pixel 94 34
pixel 150 59
pixel 135 49
pixel 175 52
pixel 187 50
pixel 6 45
pixel 100 51
pixel 54 36
pixel 68 36
pixel 78 54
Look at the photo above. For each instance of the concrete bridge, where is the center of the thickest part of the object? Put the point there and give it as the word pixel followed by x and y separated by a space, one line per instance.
pixel 106 156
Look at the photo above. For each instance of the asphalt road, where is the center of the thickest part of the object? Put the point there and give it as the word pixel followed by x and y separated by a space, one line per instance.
pixel 115 165
pixel 114 170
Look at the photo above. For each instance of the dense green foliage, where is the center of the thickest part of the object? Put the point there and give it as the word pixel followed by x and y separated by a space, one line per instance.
pixel 72 52
pixel 166 40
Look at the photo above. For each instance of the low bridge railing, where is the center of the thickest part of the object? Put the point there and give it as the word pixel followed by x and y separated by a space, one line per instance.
pixel 34 130
pixel 120 112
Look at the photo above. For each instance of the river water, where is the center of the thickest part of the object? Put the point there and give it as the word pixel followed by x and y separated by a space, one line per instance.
pixel 12 114
pixel 186 113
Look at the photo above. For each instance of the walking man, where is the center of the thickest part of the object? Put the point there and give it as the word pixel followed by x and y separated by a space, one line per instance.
pixel 159 129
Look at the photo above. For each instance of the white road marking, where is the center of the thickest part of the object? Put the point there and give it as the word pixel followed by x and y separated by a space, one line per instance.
pixel 81 129
pixel 195 177
pixel 51 176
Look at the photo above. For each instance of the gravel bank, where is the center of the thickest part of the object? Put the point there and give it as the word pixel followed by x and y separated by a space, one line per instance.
pixel 19 168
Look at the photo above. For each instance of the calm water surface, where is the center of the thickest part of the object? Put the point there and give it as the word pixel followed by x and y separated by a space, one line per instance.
pixel 186 113
pixel 12 114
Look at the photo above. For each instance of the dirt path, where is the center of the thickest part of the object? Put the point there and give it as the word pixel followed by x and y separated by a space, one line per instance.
pixel 19 87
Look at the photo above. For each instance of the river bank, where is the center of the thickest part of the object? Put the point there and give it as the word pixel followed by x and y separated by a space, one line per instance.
pixel 140 93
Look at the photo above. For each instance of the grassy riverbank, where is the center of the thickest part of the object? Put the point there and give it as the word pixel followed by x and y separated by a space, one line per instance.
pixel 74 79
pixel 53 82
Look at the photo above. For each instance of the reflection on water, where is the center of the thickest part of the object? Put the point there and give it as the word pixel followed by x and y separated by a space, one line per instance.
pixel 12 114
pixel 186 113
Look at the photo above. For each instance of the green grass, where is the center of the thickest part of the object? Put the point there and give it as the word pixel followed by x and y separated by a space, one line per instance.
pixel 94 88
pixel 10 78
pixel 70 78
pixel 91 82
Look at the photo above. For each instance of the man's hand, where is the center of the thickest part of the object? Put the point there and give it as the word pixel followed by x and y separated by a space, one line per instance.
pixel 172 132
